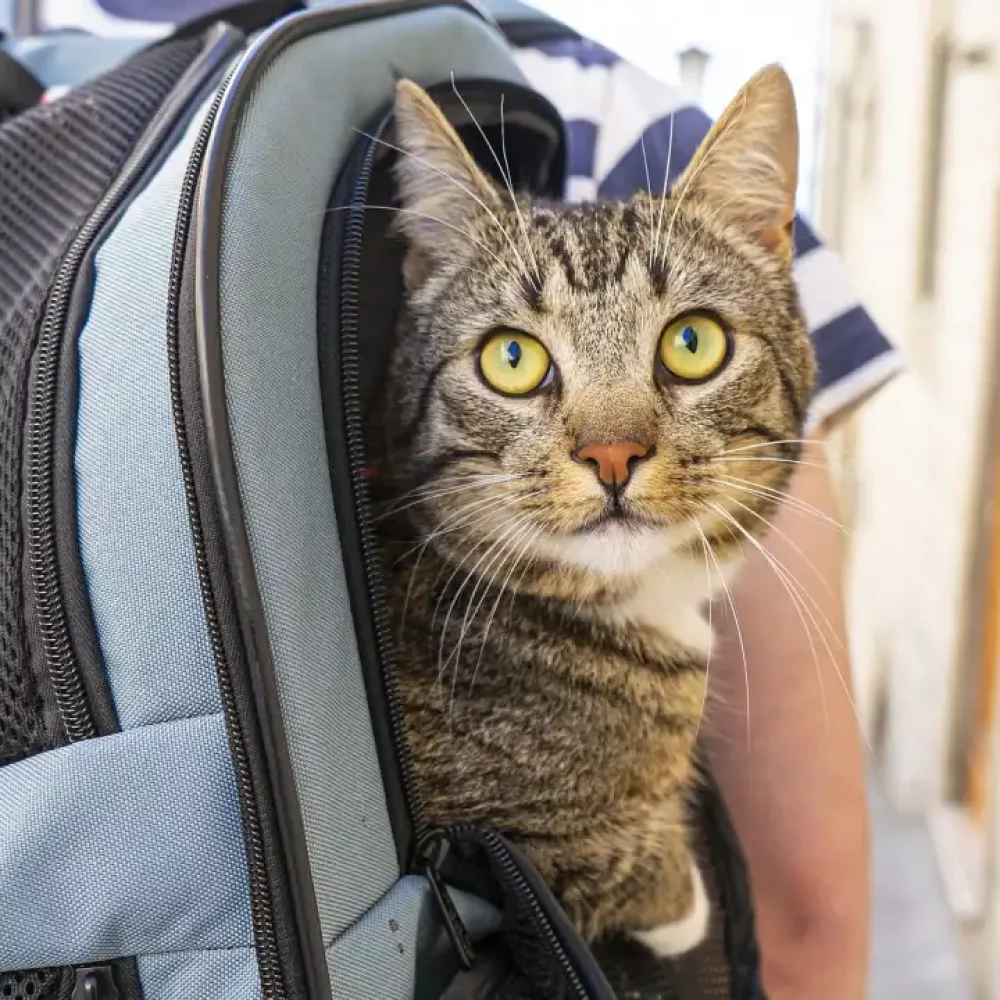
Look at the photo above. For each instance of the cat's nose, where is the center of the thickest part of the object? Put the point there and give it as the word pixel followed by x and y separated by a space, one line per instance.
pixel 613 462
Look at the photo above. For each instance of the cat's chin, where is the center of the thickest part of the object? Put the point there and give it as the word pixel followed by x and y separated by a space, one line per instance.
pixel 614 548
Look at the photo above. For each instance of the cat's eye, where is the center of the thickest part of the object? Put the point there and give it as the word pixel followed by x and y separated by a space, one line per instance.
pixel 694 348
pixel 514 363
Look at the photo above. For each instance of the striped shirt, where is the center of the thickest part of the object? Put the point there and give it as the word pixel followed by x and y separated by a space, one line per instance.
pixel 626 130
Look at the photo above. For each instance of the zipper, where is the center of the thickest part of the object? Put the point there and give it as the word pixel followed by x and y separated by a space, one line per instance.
pixel 262 917
pixel 95 983
pixel 429 851
pixel 509 871
pixel 432 845
pixel 353 420
pixel 430 854
pixel 43 564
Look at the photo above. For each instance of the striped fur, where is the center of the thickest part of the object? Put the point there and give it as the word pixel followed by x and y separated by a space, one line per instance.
pixel 552 664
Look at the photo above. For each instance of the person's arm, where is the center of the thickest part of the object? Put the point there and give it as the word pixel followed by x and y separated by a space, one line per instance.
pixel 796 786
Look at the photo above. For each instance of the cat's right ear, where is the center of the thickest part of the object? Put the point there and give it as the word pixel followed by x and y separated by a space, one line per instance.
pixel 746 169
pixel 440 186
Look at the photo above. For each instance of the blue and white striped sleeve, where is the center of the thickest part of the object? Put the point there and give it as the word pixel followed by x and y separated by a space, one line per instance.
pixel 621 123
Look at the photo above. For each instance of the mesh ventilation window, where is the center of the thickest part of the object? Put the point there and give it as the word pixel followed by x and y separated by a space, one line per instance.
pixel 39 984
pixel 56 162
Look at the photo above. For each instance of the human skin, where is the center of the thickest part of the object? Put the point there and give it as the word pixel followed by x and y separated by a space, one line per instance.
pixel 793 777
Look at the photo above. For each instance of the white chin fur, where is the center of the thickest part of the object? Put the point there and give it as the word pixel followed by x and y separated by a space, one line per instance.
pixel 613 550
pixel 671 940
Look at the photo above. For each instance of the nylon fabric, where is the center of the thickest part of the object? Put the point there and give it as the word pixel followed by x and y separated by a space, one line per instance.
pixel 398 950
pixel 135 539
pixel 229 974
pixel 123 845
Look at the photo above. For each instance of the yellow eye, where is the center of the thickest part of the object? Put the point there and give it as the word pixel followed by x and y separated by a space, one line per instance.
pixel 693 348
pixel 514 363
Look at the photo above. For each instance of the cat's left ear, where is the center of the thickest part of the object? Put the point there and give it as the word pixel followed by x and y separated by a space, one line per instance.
pixel 440 186
pixel 747 166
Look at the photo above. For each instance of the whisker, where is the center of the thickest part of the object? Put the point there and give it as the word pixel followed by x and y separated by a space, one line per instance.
pixel 507 176
pixel 484 506
pixel 708 659
pixel 433 218
pixel 454 180
pixel 723 457
pixel 510 526
pixel 698 170
pixel 434 494
pixel 736 621
pixel 455 571
pixel 499 560
pixel 483 515
pixel 663 193
pixel 773 444
pixel 485 511
pixel 781 534
pixel 783 571
pixel 532 536
pixel 649 188
pixel 780 497
pixel 796 601
pixel 446 478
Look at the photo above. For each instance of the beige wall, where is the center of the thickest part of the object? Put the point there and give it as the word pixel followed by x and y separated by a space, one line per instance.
pixel 918 448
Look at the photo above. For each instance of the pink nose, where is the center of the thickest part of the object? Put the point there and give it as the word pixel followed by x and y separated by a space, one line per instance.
pixel 614 461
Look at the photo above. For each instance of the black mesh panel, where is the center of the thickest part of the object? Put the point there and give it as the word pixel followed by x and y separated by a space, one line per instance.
pixel 56 161
pixel 39 984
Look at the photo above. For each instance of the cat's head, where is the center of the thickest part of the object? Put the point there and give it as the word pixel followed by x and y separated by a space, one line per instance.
pixel 598 386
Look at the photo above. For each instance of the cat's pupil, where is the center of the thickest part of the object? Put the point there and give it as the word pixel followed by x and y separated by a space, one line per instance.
pixel 512 353
pixel 689 338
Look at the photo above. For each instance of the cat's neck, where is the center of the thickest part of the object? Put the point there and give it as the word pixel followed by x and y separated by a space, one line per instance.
pixel 669 601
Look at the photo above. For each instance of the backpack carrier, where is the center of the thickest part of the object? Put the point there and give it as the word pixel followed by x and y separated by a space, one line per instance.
pixel 204 787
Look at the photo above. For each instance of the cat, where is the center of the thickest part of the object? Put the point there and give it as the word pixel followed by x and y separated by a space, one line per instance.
pixel 571 402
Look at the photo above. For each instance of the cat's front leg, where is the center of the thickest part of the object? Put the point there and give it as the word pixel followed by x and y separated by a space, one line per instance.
pixel 653 893
pixel 687 922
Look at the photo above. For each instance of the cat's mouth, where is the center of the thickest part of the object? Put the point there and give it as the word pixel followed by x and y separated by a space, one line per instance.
pixel 616 517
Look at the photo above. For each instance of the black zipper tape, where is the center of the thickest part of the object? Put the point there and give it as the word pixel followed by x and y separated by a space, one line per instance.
pixel 340 361
pixel 51 612
pixel 524 889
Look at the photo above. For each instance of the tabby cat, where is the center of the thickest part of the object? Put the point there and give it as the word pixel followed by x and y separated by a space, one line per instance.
pixel 573 396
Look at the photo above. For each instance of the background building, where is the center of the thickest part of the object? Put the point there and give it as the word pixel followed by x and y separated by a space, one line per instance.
pixel 909 196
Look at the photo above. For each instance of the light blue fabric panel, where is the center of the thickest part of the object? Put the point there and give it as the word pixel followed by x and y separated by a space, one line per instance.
pixel 213 975
pixel 135 539
pixel 400 944
pixel 123 845
pixel 289 146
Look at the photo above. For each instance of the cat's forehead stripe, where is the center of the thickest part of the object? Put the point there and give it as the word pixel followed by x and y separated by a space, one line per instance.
pixel 592 245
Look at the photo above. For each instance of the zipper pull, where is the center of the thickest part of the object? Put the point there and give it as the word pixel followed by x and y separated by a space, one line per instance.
pixel 432 850
pixel 95 983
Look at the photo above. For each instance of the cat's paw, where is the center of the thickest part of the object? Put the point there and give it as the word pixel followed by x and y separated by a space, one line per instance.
pixel 670 940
